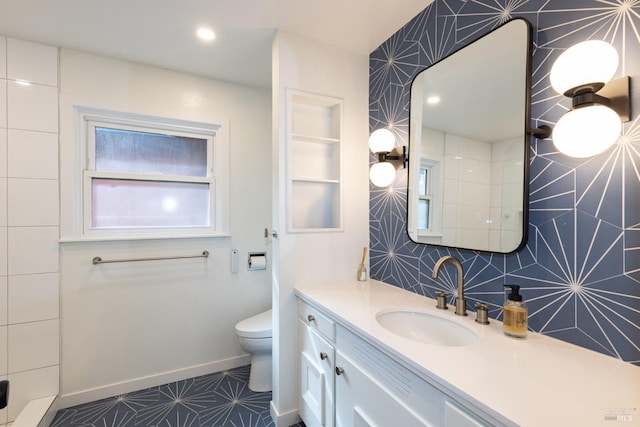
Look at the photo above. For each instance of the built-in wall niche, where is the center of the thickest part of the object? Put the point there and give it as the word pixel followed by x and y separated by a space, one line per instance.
pixel 314 192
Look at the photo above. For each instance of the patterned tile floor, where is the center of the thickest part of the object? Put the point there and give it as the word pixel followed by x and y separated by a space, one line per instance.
pixel 220 399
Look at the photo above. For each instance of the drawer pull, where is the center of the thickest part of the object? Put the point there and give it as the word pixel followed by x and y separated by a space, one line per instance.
pixel 339 370
pixel 311 318
pixel 323 355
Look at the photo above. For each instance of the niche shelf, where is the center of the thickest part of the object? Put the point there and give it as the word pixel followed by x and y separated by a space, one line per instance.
pixel 314 162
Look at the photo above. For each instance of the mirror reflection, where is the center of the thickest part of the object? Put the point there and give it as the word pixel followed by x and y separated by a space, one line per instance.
pixel 468 146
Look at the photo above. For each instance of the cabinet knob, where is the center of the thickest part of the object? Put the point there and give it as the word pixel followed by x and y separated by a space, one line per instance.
pixel 339 370
pixel 311 318
pixel 323 355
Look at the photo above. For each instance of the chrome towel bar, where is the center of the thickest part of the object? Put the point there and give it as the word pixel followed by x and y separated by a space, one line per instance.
pixel 98 260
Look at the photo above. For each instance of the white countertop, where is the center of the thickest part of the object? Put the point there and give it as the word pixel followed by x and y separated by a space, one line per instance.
pixel 537 381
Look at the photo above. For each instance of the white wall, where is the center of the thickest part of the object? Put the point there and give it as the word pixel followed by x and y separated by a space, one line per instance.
pixel 467 178
pixel 29 315
pixel 507 182
pixel 304 259
pixel 132 325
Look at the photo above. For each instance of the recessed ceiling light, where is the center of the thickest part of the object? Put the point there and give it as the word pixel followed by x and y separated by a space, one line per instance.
pixel 434 99
pixel 205 34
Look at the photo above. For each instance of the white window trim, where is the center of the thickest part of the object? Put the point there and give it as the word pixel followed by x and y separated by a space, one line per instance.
pixel 428 196
pixel 435 198
pixel 76 216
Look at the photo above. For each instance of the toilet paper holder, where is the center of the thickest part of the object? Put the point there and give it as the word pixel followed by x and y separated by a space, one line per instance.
pixel 257 261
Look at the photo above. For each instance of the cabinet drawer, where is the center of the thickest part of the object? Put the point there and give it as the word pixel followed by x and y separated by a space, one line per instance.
pixel 317 364
pixel 318 321
pixel 362 401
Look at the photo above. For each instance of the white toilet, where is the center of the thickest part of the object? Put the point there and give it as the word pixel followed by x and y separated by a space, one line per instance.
pixel 254 335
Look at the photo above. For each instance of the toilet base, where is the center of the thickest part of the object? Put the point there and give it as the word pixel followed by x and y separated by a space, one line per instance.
pixel 260 375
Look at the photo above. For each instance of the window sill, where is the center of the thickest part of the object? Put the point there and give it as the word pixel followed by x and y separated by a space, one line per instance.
pixel 429 234
pixel 139 238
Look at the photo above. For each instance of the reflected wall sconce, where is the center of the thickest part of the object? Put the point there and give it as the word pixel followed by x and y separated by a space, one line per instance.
pixel 599 106
pixel 390 158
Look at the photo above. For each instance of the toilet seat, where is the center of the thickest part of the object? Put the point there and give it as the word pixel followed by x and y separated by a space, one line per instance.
pixel 258 326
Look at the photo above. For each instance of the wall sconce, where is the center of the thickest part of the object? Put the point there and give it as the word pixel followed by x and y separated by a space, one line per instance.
pixel 594 123
pixel 390 158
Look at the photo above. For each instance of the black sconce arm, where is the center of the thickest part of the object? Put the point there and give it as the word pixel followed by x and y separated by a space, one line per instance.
pixel 397 157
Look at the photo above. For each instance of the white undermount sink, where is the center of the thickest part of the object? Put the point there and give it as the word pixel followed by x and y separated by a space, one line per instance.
pixel 426 327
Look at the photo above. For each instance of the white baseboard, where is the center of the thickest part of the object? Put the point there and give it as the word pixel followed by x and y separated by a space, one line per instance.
pixel 283 420
pixel 90 395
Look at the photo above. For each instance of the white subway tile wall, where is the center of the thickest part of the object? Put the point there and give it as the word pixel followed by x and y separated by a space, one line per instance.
pixel 20 148
pixel 32 62
pixel 29 222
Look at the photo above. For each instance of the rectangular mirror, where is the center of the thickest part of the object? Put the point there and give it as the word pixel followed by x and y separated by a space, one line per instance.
pixel 469 146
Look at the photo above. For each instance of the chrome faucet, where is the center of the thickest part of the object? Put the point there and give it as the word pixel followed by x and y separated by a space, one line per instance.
pixel 461 303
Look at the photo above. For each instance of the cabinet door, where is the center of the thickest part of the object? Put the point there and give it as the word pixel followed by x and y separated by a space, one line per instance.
pixel 316 378
pixel 363 402
pixel 457 417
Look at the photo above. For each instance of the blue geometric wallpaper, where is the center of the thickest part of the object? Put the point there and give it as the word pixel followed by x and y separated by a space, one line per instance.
pixel 580 269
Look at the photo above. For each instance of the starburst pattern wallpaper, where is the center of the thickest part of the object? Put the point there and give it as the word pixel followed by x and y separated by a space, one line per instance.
pixel 580 268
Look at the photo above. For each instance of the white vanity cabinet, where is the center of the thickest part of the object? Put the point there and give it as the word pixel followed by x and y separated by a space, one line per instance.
pixel 345 381
pixel 374 390
pixel 386 379
pixel 316 336
pixel 362 401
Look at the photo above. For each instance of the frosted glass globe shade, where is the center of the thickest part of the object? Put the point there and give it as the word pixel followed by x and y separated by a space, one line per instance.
pixel 592 61
pixel 587 131
pixel 382 174
pixel 382 141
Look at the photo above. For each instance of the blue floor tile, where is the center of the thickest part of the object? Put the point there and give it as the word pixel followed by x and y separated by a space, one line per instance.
pixel 217 400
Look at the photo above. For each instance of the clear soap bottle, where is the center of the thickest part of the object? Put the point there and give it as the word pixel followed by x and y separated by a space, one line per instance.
pixel 515 313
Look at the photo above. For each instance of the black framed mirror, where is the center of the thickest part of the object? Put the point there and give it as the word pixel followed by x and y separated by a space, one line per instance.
pixel 469 145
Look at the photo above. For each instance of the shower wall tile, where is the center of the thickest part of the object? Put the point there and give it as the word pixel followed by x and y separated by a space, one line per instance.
pixel 3 351
pixel 33 250
pixel 33 345
pixel 33 297
pixel 32 62
pixel 3 202
pixel 3 251
pixel 32 202
pixel 3 103
pixel 4 298
pixel 3 57
pixel 32 107
pixel 29 260
pixel 3 151
pixel 21 144
pixel 29 385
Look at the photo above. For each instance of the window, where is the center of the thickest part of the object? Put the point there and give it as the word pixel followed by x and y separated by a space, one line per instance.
pixel 424 199
pixel 149 177
pixel 428 215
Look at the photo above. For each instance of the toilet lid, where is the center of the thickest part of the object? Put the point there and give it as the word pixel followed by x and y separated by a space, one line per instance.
pixel 258 326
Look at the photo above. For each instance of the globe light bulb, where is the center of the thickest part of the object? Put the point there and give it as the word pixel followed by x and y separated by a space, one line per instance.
pixel 591 61
pixel 382 174
pixel 382 141
pixel 587 131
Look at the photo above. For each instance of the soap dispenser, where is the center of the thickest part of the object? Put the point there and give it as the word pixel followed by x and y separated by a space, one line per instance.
pixel 515 315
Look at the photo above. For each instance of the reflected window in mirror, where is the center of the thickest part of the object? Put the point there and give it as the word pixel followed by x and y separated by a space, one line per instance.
pixel 424 211
pixel 429 205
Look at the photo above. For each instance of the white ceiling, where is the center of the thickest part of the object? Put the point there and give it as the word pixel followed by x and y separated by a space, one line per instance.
pixel 161 32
